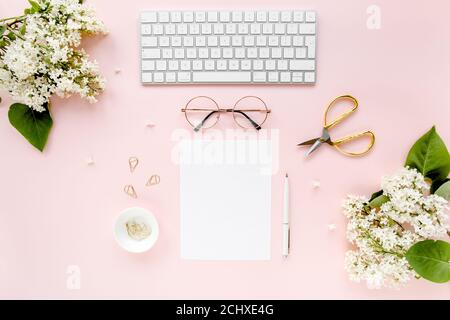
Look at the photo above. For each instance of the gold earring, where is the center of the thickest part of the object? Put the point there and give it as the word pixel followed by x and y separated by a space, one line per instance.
pixel 129 190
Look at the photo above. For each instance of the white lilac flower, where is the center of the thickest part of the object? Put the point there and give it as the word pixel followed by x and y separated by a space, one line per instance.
pixel 383 236
pixel 45 61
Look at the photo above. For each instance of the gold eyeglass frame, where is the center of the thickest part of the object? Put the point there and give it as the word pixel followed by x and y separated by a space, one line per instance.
pixel 222 110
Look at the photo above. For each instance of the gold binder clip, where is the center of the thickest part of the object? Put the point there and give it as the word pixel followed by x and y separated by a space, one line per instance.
pixel 133 162
pixel 154 180
pixel 129 190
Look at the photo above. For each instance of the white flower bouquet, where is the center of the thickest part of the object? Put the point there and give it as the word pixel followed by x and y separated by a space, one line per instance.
pixel 39 58
pixel 396 232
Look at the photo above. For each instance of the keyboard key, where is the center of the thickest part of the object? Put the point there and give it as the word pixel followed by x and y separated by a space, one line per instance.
pixel 221 64
pixel 300 52
pixel 164 41
pixel 197 65
pixel 150 17
pixel 310 42
pixel 184 76
pixel 224 16
pixel 158 77
pixel 273 76
pixel 182 29
pixel 188 16
pixel 203 53
pixel 298 16
pixel 288 53
pixel 219 28
pixel 179 53
pixel 233 64
pixel 167 53
pixel 242 28
pixel 200 16
pixel 151 53
pixel 185 65
pixel 173 65
pixel 297 77
pixel 267 28
pixel 307 28
pixel 249 41
pixel 213 16
pixel 285 77
pixel 161 65
pixel 264 53
pixel 210 77
pixel 261 16
pixel 249 16
pixel 194 28
pixel 282 64
pixel 148 65
pixel 171 77
pixel 157 29
pixel 273 16
pixel 210 65
pixel 270 64
pixel 237 16
pixel 301 65
pixel 273 41
pixel 149 41
pixel 259 76
pixel 147 77
pixel 276 52
pixel 285 41
pixel 280 28
pixel 236 41
pixel 191 53
pixel 310 77
pixel 292 28
pixel 225 41
pixel 200 41
pixel 230 28
pixel 255 28
pixel 206 28
pixel 213 41
pixel 310 16
pixel 258 65
pixel 297 41
pixel 188 41
pixel 286 16
pixel 175 16
pixel 246 64
pixel 163 16
pixel 146 29
pixel 239 53
pixel 215 53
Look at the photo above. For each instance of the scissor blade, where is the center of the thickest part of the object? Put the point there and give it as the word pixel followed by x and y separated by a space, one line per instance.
pixel 308 142
pixel 314 147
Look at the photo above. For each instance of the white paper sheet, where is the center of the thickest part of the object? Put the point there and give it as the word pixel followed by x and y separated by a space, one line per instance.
pixel 225 199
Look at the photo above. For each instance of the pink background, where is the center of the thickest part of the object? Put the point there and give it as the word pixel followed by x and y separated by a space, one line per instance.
pixel 57 211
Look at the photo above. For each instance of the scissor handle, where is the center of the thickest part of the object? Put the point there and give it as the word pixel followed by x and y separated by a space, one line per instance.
pixel 342 116
pixel 352 137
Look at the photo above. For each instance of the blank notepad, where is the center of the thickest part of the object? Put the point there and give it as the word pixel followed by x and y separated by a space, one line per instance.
pixel 225 199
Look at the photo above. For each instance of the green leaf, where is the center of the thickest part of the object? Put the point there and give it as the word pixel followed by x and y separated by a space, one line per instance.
pixel 375 195
pixel 35 6
pixel 23 29
pixel 34 126
pixel 27 11
pixel 444 191
pixel 430 259
pixel 378 201
pixel 430 156
pixel 11 36
pixel 2 30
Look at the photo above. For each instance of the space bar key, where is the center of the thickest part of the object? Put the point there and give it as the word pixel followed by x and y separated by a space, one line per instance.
pixel 221 77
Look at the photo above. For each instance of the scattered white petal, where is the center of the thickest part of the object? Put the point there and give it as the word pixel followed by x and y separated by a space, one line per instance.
pixel 332 227
pixel 316 184
pixel 90 161
pixel 117 71
pixel 150 124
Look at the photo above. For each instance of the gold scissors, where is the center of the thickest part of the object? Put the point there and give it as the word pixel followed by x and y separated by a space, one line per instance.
pixel 325 138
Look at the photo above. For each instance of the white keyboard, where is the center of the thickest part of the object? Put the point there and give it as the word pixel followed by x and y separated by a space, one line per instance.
pixel 185 47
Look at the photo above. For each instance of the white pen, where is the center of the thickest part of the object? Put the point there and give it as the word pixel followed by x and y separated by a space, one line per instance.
pixel 286 228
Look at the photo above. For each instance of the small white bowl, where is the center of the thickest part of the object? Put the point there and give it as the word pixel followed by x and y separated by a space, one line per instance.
pixel 139 215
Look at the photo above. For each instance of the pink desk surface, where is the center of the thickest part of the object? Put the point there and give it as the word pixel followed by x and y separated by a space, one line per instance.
pixel 56 211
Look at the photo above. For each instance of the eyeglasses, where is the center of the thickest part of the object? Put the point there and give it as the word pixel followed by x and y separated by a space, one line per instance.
pixel 203 112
